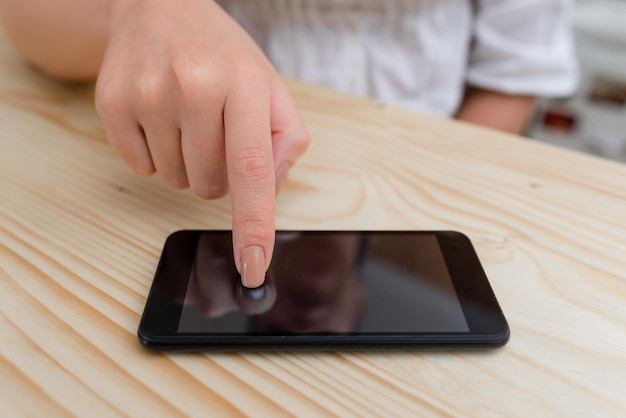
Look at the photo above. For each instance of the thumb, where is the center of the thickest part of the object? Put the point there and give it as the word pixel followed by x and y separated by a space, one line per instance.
pixel 290 138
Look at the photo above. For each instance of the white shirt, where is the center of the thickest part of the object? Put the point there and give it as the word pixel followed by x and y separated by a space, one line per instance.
pixel 417 53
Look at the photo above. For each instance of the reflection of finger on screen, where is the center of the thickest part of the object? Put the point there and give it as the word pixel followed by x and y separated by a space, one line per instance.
pixel 257 300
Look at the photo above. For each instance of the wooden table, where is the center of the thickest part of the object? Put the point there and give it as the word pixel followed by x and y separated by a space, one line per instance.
pixel 80 237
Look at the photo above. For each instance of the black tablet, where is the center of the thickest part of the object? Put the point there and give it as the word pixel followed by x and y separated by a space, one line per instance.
pixel 325 290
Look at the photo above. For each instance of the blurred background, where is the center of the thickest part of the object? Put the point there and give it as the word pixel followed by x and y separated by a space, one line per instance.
pixel 594 119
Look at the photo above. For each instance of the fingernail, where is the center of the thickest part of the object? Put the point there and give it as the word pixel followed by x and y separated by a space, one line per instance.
pixel 252 266
pixel 281 175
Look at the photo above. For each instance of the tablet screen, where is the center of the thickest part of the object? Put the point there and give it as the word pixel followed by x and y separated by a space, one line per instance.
pixel 328 282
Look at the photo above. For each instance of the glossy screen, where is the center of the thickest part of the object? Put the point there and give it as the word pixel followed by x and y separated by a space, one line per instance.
pixel 327 283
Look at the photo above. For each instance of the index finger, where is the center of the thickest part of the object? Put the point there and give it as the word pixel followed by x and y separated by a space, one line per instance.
pixel 251 178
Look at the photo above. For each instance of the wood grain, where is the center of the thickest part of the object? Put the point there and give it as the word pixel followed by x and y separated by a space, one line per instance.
pixel 80 237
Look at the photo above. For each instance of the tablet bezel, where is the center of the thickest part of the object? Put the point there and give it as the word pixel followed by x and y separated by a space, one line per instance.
pixel 158 328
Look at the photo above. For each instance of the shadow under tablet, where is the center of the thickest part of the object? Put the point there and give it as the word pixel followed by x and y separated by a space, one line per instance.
pixel 324 290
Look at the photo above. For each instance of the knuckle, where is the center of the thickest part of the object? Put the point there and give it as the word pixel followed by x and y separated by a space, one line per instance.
pixel 193 80
pixel 253 164
pixel 256 228
pixel 110 101
pixel 151 90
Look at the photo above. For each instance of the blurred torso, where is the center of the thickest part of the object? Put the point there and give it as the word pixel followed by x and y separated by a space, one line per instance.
pixel 409 52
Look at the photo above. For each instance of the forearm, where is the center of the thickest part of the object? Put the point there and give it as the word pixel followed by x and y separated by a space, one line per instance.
pixel 508 113
pixel 64 38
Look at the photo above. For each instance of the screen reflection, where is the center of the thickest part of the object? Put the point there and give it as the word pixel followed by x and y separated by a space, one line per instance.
pixel 316 278
pixel 325 283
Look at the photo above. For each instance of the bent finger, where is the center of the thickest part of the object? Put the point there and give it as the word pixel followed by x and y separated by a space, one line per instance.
pixel 203 147
pixel 126 136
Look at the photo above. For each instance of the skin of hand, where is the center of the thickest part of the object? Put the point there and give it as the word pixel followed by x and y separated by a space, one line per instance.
pixel 491 109
pixel 182 90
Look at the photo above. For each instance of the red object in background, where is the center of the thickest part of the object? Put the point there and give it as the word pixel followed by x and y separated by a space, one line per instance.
pixel 559 121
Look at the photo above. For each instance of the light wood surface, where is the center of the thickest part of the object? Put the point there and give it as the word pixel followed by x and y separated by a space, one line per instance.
pixel 80 237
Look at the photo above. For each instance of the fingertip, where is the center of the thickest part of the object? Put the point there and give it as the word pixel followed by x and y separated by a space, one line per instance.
pixel 128 140
pixel 137 157
pixel 209 192
pixel 144 169
pixel 281 176
pixel 177 182
pixel 253 266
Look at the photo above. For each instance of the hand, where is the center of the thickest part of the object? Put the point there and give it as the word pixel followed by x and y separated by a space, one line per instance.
pixel 184 91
